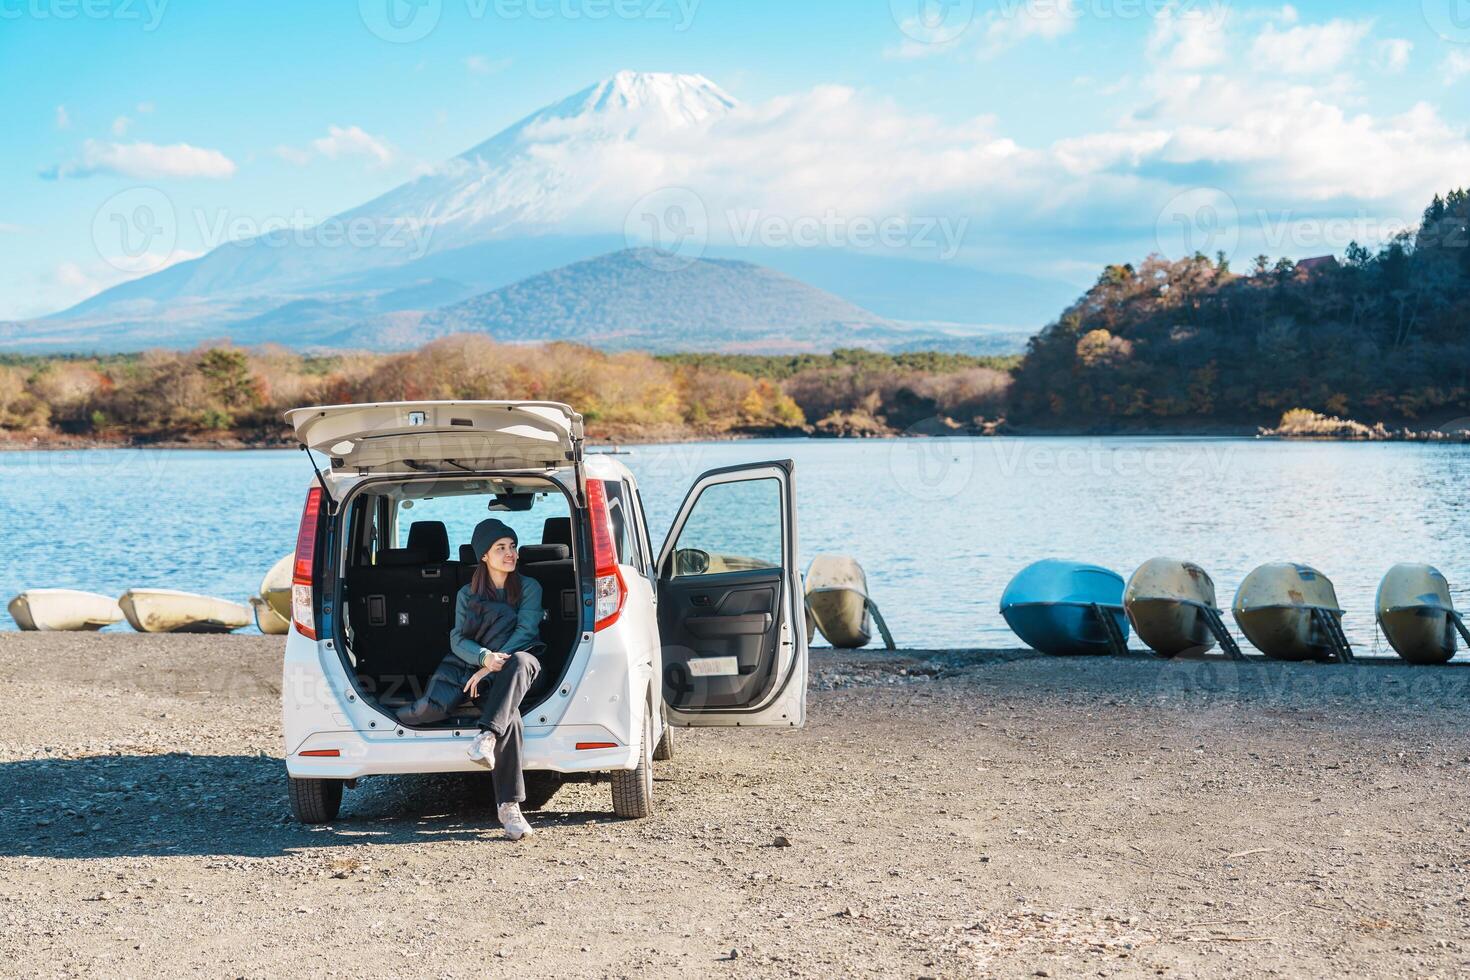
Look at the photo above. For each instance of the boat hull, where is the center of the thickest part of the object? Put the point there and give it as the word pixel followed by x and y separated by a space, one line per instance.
pixel 1274 609
pixel 1416 613
pixel 837 597
pixel 275 588
pixel 267 620
pixel 1062 630
pixel 1049 605
pixel 168 611
pixel 63 610
pixel 1166 600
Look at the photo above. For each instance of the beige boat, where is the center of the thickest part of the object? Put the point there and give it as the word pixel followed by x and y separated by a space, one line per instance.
pixel 273 605
pixel 1417 615
pixel 1290 612
pixel 63 610
pixel 838 604
pixel 170 611
pixel 1170 604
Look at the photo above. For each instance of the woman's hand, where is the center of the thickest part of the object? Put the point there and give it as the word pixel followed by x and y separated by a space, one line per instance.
pixel 497 661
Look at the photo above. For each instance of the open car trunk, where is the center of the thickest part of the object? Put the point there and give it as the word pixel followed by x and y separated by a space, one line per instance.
pixel 402 570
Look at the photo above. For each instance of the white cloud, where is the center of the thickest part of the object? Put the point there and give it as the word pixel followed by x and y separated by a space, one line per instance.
pixel 1391 55
pixel 143 161
pixel 478 64
pixel 1016 22
pixel 145 108
pixel 1191 39
pixel 120 126
pixel 63 118
pixel 1308 49
pixel 341 142
pixel 1456 66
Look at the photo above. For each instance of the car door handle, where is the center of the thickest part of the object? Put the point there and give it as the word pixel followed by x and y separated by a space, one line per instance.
pixel 699 600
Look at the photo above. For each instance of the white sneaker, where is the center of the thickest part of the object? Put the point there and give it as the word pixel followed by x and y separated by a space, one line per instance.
pixel 482 749
pixel 514 822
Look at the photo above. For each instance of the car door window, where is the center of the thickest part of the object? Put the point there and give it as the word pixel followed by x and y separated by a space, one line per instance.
pixel 733 527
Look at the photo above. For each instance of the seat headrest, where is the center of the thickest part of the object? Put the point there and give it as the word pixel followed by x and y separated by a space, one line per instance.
pixel 398 557
pixel 430 537
pixel 557 530
pixel 467 554
pixel 532 554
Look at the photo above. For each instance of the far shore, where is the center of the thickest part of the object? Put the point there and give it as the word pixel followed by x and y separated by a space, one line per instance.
pixel 21 442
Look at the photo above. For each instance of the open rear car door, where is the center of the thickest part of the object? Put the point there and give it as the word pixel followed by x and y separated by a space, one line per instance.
pixel 442 437
pixel 731 615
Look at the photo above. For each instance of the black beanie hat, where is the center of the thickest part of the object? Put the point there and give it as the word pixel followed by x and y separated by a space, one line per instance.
pixel 489 531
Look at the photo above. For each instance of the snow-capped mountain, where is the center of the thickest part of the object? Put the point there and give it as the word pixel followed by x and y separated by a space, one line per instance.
pixel 560 186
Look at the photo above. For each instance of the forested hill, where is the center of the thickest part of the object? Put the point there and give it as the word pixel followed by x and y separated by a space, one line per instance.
pixel 1374 337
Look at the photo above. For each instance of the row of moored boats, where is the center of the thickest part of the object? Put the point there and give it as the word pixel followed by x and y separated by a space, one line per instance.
pixel 158 610
pixel 1287 611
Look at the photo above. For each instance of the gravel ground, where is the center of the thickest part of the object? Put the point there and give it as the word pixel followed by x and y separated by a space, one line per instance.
pixel 943 814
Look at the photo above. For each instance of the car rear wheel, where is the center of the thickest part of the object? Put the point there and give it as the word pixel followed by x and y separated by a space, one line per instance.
pixel 315 800
pixel 632 789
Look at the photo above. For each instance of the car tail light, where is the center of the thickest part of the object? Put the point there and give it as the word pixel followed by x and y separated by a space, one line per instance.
pixel 303 604
pixel 609 591
pixel 586 746
pixel 322 753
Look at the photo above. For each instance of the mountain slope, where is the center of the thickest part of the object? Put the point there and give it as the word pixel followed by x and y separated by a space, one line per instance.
pixel 638 298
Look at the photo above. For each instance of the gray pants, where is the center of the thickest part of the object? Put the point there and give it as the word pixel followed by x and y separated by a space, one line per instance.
pixel 500 712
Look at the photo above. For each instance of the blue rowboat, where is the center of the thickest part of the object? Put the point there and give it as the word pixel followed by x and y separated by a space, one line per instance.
pixel 1067 607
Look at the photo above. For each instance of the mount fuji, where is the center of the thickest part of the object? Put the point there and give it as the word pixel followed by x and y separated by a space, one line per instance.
pixel 555 189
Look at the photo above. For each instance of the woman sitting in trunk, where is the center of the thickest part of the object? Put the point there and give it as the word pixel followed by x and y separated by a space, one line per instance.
pixel 497 624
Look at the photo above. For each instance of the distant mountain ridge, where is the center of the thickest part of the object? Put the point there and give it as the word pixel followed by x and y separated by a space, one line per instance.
pixel 515 207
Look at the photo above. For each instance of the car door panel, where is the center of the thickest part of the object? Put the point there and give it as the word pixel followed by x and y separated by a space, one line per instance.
pixel 732 633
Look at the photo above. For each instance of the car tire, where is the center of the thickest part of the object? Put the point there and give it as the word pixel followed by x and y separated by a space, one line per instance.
pixel 541 786
pixel 664 750
pixel 315 800
pixel 632 789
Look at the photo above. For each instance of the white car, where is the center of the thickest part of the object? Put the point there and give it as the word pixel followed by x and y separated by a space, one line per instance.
pixel 708 631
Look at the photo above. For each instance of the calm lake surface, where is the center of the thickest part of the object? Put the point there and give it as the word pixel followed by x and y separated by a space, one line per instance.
pixel 940 524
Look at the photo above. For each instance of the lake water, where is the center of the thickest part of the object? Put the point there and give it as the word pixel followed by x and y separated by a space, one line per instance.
pixel 940 524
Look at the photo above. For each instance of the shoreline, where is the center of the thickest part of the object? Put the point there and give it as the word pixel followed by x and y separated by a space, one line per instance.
pixel 17 442
pixel 1059 818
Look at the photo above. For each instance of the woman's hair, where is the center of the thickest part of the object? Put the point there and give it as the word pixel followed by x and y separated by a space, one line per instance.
pixel 480 584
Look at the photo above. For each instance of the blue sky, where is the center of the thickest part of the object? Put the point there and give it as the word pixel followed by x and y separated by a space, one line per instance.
pixel 1104 111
